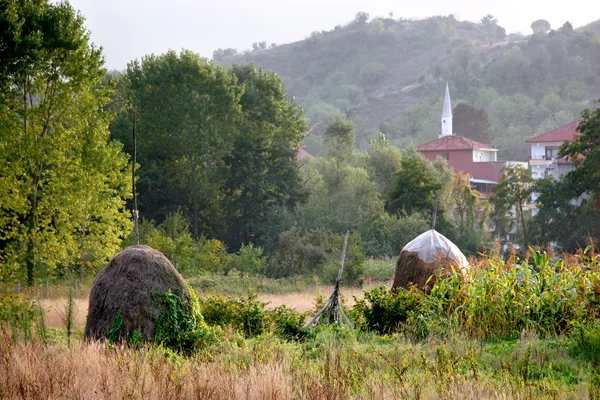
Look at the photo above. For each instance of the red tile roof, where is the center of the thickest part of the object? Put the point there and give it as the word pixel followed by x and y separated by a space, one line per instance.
pixel 453 142
pixel 567 132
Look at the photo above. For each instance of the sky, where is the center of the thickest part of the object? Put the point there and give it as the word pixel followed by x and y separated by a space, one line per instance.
pixel 130 29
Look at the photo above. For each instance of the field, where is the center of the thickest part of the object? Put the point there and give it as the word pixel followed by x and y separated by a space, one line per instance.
pixel 509 331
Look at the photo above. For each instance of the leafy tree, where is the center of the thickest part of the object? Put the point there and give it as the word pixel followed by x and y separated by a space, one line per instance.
pixel 488 19
pixel 560 219
pixel 62 182
pixel 361 17
pixel 540 26
pixel 513 192
pixel 188 111
pixel 471 122
pixel 584 151
pixel 260 172
pixel 383 164
pixel 416 186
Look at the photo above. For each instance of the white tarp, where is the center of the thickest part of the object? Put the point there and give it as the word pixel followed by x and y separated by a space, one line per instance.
pixel 432 244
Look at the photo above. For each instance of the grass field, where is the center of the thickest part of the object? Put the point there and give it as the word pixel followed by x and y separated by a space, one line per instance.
pixel 508 331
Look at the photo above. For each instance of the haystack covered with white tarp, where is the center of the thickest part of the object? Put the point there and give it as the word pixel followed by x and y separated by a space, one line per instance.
pixel 428 255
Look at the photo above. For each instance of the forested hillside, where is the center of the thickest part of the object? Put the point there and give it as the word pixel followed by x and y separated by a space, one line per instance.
pixel 388 75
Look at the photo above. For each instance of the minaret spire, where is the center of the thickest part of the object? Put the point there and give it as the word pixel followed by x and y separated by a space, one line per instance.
pixel 446 115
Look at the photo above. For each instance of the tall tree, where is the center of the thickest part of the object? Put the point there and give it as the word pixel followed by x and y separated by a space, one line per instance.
pixel 471 122
pixel 261 175
pixel 584 151
pixel 187 114
pixel 513 192
pixel 417 185
pixel 62 183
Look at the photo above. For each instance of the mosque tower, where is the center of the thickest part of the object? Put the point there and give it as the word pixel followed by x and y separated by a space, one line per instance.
pixel 446 115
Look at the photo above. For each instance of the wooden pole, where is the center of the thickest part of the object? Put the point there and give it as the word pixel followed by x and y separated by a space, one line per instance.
pixel 135 206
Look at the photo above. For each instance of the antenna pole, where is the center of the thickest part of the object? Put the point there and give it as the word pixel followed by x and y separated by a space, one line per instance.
pixel 135 206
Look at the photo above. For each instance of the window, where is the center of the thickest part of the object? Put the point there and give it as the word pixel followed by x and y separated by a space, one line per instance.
pixel 551 152
pixel 446 156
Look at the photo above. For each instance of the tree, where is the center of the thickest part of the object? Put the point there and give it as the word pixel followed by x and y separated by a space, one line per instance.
pixel 261 175
pixel 488 19
pixel 560 219
pixel 383 164
pixel 339 135
pixel 62 182
pixel 187 114
pixel 512 192
pixel 540 26
pixel 471 122
pixel 361 17
pixel 584 151
pixel 416 186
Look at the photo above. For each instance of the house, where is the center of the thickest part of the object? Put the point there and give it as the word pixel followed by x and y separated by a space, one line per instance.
pixel 479 160
pixel 545 160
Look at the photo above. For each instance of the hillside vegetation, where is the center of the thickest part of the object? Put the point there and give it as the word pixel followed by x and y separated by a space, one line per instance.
pixel 388 75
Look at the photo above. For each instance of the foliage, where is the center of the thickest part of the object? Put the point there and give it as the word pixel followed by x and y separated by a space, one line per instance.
pixel 62 182
pixel 383 165
pixel 250 260
pixel 512 193
pixel 471 122
pixel 22 315
pixel 560 219
pixel 180 325
pixel 416 186
pixel 540 26
pixel 172 237
pixel 584 152
pixel 250 317
pixel 318 252
pixel 384 312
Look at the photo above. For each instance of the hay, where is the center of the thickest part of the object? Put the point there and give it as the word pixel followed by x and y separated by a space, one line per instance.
pixel 411 270
pixel 127 286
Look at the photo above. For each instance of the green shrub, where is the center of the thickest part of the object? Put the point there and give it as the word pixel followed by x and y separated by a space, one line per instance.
pixel 22 315
pixel 180 326
pixel 385 312
pixel 249 259
pixel 250 317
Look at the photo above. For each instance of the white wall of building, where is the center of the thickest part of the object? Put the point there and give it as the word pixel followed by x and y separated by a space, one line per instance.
pixel 484 156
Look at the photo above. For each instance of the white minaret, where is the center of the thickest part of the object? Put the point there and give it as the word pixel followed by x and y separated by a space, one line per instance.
pixel 446 115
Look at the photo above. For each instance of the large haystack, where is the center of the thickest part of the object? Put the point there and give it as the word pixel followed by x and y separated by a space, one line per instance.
pixel 126 288
pixel 428 255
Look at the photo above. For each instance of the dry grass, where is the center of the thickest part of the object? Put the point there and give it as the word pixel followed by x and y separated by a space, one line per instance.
pixel 263 370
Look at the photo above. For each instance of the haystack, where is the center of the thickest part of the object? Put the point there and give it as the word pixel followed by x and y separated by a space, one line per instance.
pixel 125 289
pixel 428 255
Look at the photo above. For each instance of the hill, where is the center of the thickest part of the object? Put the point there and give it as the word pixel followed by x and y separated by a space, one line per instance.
pixel 388 75
pixel 593 27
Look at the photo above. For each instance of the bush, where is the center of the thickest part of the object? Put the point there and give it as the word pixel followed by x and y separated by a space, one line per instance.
pixel 385 312
pixel 180 326
pixel 250 317
pixel 23 316
pixel 249 259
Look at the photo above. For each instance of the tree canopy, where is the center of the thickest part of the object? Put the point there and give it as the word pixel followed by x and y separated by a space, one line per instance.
pixel 62 182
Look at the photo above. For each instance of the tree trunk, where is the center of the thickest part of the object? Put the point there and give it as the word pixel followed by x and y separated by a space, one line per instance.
pixel 525 241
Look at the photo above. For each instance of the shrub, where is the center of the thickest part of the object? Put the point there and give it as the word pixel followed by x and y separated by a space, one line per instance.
pixel 385 312
pixel 180 326
pixel 249 259
pixel 22 315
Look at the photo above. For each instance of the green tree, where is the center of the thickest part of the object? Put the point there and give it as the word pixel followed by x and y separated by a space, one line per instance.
pixel 560 218
pixel 187 114
pixel 417 185
pixel 471 122
pixel 511 195
pixel 339 135
pixel 584 151
pixel 383 164
pixel 540 26
pixel 260 172
pixel 62 182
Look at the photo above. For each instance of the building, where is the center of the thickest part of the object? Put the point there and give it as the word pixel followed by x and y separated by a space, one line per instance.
pixel 545 160
pixel 479 160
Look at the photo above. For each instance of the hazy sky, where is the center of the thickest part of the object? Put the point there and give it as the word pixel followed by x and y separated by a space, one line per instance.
pixel 130 29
